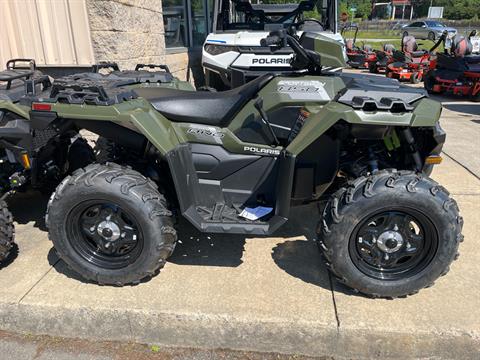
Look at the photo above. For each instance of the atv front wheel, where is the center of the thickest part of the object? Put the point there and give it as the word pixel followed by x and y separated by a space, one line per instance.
pixel 390 234
pixel 7 231
pixel 373 68
pixel 110 224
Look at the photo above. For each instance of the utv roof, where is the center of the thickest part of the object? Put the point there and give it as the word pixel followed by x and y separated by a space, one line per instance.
pixel 275 8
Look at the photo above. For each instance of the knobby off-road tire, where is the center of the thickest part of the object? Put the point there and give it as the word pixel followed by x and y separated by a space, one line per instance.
pixel 7 231
pixel 426 204
pixel 90 200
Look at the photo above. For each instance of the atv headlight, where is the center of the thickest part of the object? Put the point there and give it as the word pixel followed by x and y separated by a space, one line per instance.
pixel 214 49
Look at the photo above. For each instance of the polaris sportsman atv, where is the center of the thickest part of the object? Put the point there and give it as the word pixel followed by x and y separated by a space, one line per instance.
pixel 457 70
pixel 33 153
pixel 232 54
pixel 237 161
pixel 411 64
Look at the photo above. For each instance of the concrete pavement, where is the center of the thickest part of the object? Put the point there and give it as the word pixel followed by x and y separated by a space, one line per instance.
pixel 269 294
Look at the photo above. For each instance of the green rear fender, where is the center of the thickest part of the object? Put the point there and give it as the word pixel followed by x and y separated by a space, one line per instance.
pixel 156 128
pixel 425 114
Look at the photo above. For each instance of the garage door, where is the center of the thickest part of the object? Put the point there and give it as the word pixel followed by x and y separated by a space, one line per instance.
pixel 53 32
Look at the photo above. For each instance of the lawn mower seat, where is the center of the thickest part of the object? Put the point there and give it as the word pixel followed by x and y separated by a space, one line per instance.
pixel 349 45
pixel 367 48
pixel 410 49
pixel 389 48
pixel 461 46
pixel 462 58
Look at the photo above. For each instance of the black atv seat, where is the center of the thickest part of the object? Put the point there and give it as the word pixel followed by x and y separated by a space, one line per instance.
pixel 202 107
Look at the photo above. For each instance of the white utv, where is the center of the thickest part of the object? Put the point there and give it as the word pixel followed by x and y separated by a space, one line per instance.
pixel 232 54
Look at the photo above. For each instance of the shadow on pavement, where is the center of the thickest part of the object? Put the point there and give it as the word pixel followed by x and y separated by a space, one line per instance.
pixel 29 206
pixel 196 248
pixel 298 258
pixel 473 109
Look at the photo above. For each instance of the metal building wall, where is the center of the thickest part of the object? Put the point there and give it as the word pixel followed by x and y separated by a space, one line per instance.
pixel 53 32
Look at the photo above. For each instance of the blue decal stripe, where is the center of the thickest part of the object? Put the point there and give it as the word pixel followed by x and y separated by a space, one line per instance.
pixel 217 41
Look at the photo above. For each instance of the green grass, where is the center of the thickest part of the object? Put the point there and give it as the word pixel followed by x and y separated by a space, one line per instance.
pixel 386 34
pixel 378 45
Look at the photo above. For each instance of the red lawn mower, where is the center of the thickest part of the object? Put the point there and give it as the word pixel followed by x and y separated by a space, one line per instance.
pixel 378 61
pixel 458 69
pixel 357 56
pixel 410 64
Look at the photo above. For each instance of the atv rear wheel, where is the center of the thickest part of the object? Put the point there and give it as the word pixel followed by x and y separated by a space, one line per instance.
pixel 7 231
pixel 110 224
pixel 390 234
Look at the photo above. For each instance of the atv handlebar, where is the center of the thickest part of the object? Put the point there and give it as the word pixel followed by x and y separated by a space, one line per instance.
pixel 271 40
pixel 303 59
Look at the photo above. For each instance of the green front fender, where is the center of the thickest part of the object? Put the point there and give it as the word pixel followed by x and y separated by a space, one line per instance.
pixel 425 114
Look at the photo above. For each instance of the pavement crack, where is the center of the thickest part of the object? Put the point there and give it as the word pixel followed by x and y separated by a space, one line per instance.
pixel 459 163
pixel 38 281
pixel 337 318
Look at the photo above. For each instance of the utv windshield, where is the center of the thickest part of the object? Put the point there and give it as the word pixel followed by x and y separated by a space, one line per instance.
pixel 234 15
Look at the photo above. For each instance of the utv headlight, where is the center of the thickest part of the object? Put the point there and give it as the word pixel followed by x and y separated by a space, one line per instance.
pixel 214 49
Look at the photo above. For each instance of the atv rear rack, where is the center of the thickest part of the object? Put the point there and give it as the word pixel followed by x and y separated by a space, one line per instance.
pixel 22 79
pixel 139 75
pixel 17 72
pixel 91 89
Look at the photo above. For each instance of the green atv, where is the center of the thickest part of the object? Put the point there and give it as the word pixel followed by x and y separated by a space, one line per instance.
pixel 33 153
pixel 237 161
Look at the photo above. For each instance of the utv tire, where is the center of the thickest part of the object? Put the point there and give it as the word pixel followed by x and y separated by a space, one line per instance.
pixel 423 245
pixel 110 225
pixel 7 231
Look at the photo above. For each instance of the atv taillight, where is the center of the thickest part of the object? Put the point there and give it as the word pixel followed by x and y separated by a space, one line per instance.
pixel 41 107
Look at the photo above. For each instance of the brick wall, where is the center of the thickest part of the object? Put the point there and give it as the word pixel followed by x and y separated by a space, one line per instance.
pixel 129 32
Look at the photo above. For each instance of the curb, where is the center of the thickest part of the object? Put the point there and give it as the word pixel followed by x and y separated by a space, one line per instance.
pixel 203 331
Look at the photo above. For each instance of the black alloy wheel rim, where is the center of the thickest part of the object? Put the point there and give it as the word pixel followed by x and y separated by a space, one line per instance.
pixel 104 234
pixel 393 244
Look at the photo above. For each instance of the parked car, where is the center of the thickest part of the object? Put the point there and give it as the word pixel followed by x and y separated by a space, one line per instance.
pixel 428 29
